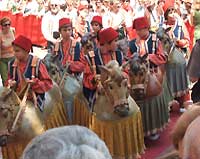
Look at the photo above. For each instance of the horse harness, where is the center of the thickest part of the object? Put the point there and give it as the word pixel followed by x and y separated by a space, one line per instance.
pixel 90 57
pixel 14 119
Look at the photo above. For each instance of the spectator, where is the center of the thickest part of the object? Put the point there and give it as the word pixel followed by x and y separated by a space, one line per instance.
pixel 7 35
pixel 50 22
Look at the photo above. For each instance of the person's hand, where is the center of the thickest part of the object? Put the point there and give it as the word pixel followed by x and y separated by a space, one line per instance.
pixel 31 81
pixel 97 78
pixel 11 83
pixel 182 43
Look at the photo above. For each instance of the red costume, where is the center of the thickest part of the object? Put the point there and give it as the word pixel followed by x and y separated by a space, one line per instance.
pixel 30 70
pixel 69 49
pixel 148 44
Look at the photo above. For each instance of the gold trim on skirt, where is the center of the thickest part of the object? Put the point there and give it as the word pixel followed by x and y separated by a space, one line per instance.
pixel 124 138
pixel 81 114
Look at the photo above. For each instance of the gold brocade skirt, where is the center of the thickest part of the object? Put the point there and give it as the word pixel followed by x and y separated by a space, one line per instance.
pixel 124 138
pixel 56 119
pixel 81 113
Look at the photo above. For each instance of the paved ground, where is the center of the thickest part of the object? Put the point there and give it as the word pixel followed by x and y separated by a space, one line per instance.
pixel 41 54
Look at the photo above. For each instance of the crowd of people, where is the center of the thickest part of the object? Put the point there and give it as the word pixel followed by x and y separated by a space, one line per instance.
pixel 86 34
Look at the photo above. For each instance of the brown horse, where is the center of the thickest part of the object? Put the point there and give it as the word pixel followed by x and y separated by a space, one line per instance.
pixel 31 121
pixel 145 82
pixel 176 65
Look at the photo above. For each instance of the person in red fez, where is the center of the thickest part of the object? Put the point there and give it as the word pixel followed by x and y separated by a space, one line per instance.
pixel 179 32
pixel 147 43
pixel 68 49
pixel 142 26
pixel 101 56
pixel 82 25
pixel 97 25
pixel 28 69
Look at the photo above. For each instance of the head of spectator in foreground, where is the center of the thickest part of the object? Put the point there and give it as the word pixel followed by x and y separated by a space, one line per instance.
pixel 69 142
pixel 54 6
pixel 108 37
pixel 96 23
pixel 5 23
pixel 141 25
pixel 22 46
pixel 65 27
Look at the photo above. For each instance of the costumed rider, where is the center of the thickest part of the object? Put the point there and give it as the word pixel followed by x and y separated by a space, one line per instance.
pixel 68 49
pixel 102 55
pixel 97 25
pixel 28 69
pixel 146 43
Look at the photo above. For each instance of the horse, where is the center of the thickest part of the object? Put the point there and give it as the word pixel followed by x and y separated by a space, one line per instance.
pixel 176 64
pixel 114 114
pixel 70 84
pixel 80 142
pixel 145 82
pixel 21 120
pixel 185 134
pixel 115 93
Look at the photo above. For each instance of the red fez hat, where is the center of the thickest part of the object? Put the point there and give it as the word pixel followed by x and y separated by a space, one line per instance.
pixel 81 7
pixel 168 4
pixel 97 19
pixel 141 23
pixel 23 42
pixel 64 22
pixel 107 35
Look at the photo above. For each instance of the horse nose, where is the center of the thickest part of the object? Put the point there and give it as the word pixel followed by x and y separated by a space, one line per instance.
pixel 122 110
pixel 3 140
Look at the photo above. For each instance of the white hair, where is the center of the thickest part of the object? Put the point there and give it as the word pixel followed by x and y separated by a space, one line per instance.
pixel 68 142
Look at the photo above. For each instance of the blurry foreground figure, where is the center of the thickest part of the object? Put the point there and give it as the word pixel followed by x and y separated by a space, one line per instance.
pixel 69 142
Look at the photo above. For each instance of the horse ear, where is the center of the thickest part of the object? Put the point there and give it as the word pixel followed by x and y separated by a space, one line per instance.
pixel 125 65
pixel 168 29
pixel 143 58
pixel 105 72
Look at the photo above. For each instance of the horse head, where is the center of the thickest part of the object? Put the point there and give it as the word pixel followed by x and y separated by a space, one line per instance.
pixel 165 39
pixel 115 88
pixel 137 73
pixel 54 66
pixel 8 110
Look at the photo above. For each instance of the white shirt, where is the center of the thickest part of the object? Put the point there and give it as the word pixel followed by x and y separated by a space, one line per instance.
pixel 50 24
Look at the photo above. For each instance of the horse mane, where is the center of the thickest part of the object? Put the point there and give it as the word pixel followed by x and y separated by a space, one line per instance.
pixel 183 122
pixel 7 93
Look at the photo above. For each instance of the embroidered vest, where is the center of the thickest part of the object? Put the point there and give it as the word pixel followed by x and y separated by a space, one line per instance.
pixel 75 54
pixel 150 43
pixel 99 61
pixel 31 71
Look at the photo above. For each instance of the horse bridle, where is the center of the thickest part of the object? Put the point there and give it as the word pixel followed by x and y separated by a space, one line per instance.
pixel 117 104
pixel 7 131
